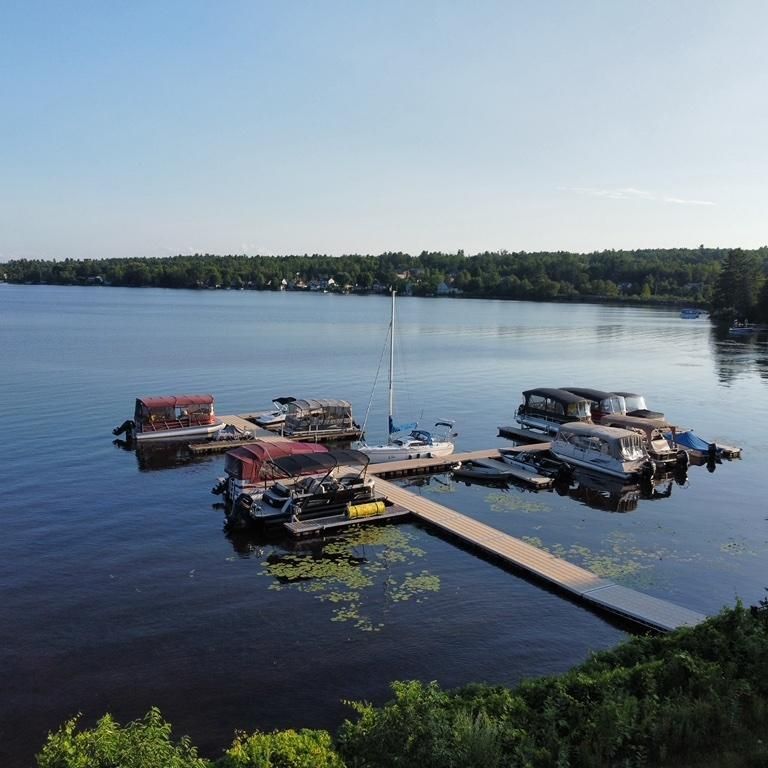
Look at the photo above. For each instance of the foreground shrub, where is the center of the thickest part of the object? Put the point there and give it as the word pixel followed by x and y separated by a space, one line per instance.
pixel 678 700
pixel 282 749
pixel 140 744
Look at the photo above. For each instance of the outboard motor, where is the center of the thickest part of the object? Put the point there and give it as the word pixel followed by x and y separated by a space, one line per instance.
pixel 240 514
pixel 128 426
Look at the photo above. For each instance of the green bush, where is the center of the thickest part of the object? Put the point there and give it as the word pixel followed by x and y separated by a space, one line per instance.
pixel 140 744
pixel 282 749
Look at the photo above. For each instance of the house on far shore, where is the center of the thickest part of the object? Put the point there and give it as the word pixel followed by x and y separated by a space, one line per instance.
pixel 443 289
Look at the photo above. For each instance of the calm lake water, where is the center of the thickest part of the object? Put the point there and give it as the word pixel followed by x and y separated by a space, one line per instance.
pixel 120 589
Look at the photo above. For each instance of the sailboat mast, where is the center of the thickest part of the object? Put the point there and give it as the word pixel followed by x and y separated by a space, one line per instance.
pixel 391 362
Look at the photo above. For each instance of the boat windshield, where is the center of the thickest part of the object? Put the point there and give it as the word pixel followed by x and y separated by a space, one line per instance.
pixel 632 447
pixel 580 409
pixel 635 403
pixel 614 404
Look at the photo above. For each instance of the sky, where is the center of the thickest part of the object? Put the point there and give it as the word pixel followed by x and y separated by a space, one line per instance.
pixel 149 129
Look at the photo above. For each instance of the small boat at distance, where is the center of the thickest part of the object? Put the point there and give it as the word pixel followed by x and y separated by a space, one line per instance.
pixel 690 313
pixel 617 452
pixel 171 417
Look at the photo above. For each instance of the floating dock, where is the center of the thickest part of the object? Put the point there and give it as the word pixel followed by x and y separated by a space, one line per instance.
pixel 518 433
pixel 334 523
pixel 599 593
pixel 587 587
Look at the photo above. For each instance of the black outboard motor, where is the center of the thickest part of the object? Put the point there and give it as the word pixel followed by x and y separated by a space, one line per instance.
pixel 128 426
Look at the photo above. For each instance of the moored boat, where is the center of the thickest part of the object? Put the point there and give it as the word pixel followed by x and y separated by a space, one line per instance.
pixel 653 431
pixel 319 417
pixel 690 313
pixel 612 451
pixel 327 485
pixel 276 418
pixel 546 409
pixel 636 406
pixel 601 403
pixel 406 442
pixel 171 417
pixel 251 469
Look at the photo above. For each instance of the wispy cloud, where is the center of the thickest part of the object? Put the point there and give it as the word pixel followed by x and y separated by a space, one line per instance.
pixel 630 193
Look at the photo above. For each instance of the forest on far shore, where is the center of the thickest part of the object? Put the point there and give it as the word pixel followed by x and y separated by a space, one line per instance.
pixel 731 282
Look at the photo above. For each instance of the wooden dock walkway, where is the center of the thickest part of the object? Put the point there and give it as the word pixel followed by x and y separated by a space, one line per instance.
pixel 580 583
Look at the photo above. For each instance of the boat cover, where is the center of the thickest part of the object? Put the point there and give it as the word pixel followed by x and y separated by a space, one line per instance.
pixel 174 401
pixel 307 463
pixel 689 440
pixel 561 395
pixel 247 462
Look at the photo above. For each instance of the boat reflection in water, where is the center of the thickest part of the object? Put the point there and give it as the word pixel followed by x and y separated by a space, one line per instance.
pixel 612 494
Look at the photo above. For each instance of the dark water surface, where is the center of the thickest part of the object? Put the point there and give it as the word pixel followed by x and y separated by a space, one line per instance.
pixel 120 590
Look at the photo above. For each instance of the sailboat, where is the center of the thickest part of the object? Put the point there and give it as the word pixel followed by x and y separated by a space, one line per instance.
pixel 407 441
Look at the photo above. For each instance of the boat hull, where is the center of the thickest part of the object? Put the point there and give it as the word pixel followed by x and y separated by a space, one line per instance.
pixel 201 430
pixel 378 454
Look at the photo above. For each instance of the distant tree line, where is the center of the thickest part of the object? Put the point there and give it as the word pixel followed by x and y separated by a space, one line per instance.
pixel 685 275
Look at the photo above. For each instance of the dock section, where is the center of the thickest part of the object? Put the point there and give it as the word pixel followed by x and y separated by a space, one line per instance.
pixel 586 586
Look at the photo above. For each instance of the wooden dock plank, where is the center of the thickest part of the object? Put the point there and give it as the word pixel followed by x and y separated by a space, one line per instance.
pixel 599 592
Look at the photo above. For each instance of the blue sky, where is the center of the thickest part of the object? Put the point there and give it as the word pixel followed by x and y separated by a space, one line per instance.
pixel 156 128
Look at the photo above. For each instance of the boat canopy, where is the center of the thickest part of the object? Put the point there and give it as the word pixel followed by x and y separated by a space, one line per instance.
pixel 247 463
pixel 636 406
pixel 556 401
pixel 317 414
pixel 309 463
pixel 622 444
pixel 608 402
pixel 174 401
pixel 283 400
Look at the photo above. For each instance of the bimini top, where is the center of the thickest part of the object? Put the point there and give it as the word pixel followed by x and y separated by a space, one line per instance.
pixel 319 404
pixel 307 463
pixel 283 400
pixel 595 395
pixel 562 395
pixel 611 434
pixel 175 401
pixel 248 461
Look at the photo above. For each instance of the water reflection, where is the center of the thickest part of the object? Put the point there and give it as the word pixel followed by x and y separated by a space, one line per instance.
pixel 737 356
pixel 615 495
pixel 159 454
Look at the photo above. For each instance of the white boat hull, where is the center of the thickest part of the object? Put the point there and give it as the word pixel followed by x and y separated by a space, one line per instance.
pixel 381 453
pixel 606 466
pixel 202 430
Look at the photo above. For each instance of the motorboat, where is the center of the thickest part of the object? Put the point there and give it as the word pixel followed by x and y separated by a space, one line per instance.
pixel 276 418
pixel 601 403
pixel 327 485
pixel 741 329
pixel 251 469
pixel 690 313
pixel 617 452
pixel 636 406
pixel 547 409
pixel 662 451
pixel 171 417
pixel 535 462
pixel 407 441
pixel 318 416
